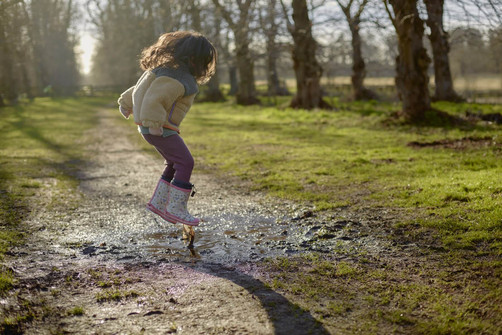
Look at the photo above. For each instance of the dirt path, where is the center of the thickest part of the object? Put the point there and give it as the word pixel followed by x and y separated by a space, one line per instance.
pixel 127 272
pixel 111 267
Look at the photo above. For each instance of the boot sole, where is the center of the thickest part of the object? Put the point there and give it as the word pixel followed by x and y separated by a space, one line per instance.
pixel 170 218
pixel 177 219
pixel 154 210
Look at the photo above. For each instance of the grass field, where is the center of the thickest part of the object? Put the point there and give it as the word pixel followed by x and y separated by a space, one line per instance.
pixel 354 157
pixel 38 155
pixel 482 82
pixel 445 181
pixel 482 88
pixel 447 185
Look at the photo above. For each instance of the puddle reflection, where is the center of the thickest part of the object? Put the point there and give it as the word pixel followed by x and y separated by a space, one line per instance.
pixel 225 237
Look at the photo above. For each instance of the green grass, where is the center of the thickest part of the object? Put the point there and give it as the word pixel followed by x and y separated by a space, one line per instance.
pixel 110 295
pixel 353 156
pixel 76 311
pixel 386 297
pixel 39 155
pixel 358 156
pixel 6 280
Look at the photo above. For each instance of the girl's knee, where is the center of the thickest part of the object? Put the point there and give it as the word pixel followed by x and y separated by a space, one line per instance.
pixel 189 162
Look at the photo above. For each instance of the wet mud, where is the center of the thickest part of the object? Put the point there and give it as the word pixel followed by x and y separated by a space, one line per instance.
pixel 464 143
pixel 111 267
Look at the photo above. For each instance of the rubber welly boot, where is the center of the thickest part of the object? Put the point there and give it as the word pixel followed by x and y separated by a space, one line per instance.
pixel 158 202
pixel 177 206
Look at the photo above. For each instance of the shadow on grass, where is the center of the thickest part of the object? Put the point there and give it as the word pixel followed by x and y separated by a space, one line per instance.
pixel 31 151
pixel 433 118
pixel 287 317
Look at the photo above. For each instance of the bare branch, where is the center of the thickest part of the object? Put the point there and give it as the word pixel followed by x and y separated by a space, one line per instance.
pixel 6 4
pixel 496 8
pixel 389 12
pixel 289 24
pixel 225 13
pixel 360 10
pixel 489 11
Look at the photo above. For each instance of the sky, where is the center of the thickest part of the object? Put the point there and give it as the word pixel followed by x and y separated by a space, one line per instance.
pixel 86 48
pixel 87 42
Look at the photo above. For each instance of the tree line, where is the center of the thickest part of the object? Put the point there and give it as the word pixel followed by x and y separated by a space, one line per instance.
pixel 304 37
pixel 37 43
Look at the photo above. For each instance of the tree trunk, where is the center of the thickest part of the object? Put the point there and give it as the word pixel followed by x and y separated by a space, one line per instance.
pixel 412 62
pixel 440 48
pixel 234 81
pixel 22 52
pixel 213 92
pixel 8 84
pixel 273 85
pixel 24 75
pixel 246 93
pixel 229 59
pixel 358 64
pixel 271 28
pixel 307 70
pixel 194 10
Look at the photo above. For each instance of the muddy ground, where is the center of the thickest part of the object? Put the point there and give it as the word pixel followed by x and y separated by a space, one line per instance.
pixel 111 267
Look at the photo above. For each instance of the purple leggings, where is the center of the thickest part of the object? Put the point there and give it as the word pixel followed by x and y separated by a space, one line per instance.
pixel 179 160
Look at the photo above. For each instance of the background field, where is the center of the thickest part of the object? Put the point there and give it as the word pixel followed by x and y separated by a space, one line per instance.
pixel 440 182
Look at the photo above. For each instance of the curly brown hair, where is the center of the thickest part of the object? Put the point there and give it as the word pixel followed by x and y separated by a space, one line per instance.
pixel 187 48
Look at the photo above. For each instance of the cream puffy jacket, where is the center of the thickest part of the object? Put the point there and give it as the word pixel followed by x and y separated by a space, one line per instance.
pixel 160 98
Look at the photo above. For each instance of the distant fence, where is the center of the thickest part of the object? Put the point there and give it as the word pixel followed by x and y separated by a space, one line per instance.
pixel 340 91
pixel 99 90
pixel 389 93
pixel 482 96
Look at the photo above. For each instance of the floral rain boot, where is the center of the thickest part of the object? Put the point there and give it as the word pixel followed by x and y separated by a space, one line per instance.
pixel 176 210
pixel 158 202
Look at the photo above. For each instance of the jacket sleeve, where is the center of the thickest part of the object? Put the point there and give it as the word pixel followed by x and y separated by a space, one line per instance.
pixel 158 101
pixel 125 100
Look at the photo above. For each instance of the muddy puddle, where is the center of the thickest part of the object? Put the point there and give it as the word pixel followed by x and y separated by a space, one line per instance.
pixel 250 234
pixel 111 221
pixel 110 244
pixel 236 227
pixel 222 238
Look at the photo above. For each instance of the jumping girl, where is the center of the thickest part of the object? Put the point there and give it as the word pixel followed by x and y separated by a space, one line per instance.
pixel 174 66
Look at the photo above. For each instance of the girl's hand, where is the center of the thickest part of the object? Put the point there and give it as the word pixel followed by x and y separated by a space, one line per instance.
pixel 155 131
pixel 125 112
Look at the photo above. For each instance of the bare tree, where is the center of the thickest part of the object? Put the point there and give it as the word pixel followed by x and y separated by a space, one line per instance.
pixel 246 94
pixel 8 84
pixel 270 29
pixel 308 71
pixel 119 41
pixel 231 63
pixel 412 62
pixel 440 49
pixel 54 42
pixel 169 15
pixel 464 61
pixel 358 63
pixel 213 92
pixel 495 49
pixel 37 47
pixel 23 53
pixel 487 11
